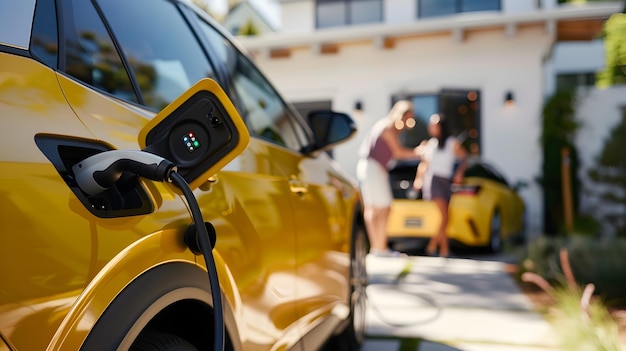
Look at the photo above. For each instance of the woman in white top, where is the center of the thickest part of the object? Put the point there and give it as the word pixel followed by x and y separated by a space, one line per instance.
pixel 435 175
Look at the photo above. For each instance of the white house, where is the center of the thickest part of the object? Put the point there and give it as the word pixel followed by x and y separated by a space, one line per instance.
pixel 245 14
pixel 464 59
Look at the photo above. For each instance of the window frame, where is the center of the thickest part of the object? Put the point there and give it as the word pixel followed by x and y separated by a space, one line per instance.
pixel 458 9
pixel 348 18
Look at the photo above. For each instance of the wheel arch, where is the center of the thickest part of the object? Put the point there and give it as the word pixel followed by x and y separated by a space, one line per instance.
pixel 156 272
pixel 173 298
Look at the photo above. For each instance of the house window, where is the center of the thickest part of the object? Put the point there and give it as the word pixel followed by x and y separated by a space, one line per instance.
pixel 436 8
pixel 461 107
pixel 335 13
pixel 573 81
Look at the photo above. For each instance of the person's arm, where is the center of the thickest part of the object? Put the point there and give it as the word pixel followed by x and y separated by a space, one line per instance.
pixel 397 150
pixel 461 155
pixel 418 183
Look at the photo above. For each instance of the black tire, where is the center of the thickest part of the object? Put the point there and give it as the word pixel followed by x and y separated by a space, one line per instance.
pixel 358 285
pixel 495 233
pixel 161 342
pixel 521 237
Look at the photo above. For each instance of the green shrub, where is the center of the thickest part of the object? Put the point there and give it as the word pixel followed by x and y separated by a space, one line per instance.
pixel 578 330
pixel 602 263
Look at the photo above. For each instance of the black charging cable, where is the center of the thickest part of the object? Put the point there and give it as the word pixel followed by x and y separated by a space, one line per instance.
pixel 98 172
pixel 207 252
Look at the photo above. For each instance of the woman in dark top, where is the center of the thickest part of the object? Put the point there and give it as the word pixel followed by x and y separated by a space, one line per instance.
pixel 378 150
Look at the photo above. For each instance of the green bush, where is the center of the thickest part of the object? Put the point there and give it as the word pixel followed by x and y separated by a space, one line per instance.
pixel 578 330
pixel 602 263
pixel 559 126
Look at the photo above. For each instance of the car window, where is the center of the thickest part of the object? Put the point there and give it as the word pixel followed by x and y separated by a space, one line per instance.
pixel 160 47
pixel 486 172
pixel 90 55
pixel 44 42
pixel 265 113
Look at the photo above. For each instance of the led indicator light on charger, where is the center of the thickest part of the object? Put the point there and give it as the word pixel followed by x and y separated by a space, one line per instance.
pixel 191 142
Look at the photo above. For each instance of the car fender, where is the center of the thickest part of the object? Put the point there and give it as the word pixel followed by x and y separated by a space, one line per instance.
pixel 162 251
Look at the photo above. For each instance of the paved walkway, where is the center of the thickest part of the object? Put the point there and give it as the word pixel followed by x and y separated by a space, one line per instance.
pixel 435 304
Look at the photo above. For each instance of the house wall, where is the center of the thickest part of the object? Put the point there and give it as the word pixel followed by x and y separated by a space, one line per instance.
pixel 399 11
pixel 599 111
pixel 487 60
pixel 297 16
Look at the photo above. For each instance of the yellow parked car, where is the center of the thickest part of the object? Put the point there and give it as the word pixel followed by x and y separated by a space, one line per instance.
pixel 483 212
pixel 95 254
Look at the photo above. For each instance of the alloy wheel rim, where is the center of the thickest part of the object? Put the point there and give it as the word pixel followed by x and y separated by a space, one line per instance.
pixel 495 232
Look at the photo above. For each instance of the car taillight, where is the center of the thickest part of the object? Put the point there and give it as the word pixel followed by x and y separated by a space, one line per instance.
pixel 465 189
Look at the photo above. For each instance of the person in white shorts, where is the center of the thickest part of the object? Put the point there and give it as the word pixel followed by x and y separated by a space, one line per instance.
pixel 377 151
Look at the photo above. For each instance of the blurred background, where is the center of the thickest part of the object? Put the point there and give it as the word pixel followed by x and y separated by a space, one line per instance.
pixel 530 85
pixel 535 88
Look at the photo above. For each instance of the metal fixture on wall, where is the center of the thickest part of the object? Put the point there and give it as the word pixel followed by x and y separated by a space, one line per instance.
pixel 509 99
pixel 358 106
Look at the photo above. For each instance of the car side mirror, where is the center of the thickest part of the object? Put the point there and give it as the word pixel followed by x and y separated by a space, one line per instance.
pixel 330 128
pixel 200 132
pixel 519 185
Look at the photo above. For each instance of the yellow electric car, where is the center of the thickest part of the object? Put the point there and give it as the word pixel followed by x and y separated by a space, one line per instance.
pixel 483 212
pixel 95 254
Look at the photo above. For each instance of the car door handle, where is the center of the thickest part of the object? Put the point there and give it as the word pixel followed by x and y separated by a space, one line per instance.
pixel 297 186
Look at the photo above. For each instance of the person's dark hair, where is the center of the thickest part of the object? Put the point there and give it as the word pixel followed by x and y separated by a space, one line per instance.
pixel 443 127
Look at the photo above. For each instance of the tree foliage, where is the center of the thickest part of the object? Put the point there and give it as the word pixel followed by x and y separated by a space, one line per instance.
pixel 559 131
pixel 249 28
pixel 614 34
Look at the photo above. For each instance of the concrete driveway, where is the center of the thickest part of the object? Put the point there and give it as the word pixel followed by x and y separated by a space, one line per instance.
pixel 435 304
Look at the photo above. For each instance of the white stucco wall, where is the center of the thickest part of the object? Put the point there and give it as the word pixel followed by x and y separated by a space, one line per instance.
pixel 599 111
pixel 572 57
pixel 488 61
pixel 297 16
pixel 399 11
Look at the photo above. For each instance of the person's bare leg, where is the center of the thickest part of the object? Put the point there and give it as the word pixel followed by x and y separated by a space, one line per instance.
pixel 376 223
pixel 442 237
pixel 433 243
